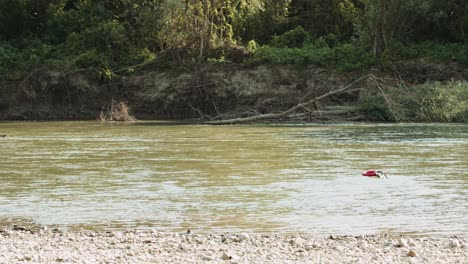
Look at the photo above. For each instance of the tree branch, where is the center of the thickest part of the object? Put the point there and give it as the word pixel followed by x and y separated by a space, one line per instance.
pixel 290 110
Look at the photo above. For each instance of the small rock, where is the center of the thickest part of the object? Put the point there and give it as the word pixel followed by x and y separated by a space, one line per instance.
pixel 387 243
pixel 189 231
pixel 411 253
pixel 225 256
pixel 363 244
pixel 316 245
pixel 402 242
pixel 296 242
pixel 411 242
pixel 453 243
pixel 19 228
pixel 130 253
pixel 206 258
pixel 181 247
pixel 244 236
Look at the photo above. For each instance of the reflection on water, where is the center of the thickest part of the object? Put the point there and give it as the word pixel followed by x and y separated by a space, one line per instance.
pixel 265 179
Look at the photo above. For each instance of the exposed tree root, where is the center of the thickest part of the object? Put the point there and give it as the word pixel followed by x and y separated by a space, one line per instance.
pixel 116 112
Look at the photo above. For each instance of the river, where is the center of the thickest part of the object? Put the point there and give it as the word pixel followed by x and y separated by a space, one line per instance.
pixel 289 178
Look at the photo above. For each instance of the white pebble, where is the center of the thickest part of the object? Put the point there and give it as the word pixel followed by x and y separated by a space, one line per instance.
pixel 206 258
pixel 453 243
pixel 402 242
pixel 411 242
pixel 244 236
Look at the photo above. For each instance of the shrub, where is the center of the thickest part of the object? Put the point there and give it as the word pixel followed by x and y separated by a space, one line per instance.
pixel 252 46
pixel 350 57
pixel 374 108
pixel 442 102
pixel 291 39
pixel 427 50
pixel 9 57
pixel 429 102
pixel 343 57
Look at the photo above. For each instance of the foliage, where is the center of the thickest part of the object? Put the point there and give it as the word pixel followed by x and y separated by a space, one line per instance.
pixel 349 57
pixel 259 20
pixel 320 18
pixel 344 57
pixel 374 108
pixel 457 52
pixel 291 39
pixel 99 35
pixel 252 46
pixel 428 102
pixel 8 57
pixel 380 22
pixel 440 102
pixel 110 37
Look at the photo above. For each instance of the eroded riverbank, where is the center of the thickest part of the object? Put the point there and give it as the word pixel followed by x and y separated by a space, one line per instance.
pixel 53 246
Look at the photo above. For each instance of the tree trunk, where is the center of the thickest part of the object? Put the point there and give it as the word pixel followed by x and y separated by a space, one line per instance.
pixel 203 34
pixel 379 31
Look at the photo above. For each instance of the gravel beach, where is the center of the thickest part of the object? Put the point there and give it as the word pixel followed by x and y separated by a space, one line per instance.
pixel 22 245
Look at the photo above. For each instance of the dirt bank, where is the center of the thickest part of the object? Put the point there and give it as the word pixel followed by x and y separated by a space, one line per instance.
pixel 210 90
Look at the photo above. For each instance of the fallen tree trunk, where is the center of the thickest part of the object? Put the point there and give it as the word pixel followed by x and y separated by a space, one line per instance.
pixel 284 114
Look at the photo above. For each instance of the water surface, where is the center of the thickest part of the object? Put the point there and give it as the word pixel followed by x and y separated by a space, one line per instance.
pixel 259 178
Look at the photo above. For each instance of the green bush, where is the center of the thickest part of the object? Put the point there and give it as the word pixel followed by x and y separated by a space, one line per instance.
pixel 344 57
pixel 350 57
pixel 457 52
pixel 291 39
pixel 20 59
pixel 374 108
pixel 9 57
pixel 442 102
pixel 252 46
pixel 307 55
pixel 429 102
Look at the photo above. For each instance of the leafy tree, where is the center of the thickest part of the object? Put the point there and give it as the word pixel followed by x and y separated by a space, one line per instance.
pixel 320 17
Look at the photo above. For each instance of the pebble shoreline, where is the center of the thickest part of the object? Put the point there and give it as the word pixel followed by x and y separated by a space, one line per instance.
pixel 22 245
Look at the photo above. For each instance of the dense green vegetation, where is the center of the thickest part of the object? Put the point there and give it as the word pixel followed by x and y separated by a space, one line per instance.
pixel 428 102
pixel 110 37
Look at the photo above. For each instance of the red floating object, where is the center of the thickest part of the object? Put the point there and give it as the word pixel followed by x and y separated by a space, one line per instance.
pixel 374 173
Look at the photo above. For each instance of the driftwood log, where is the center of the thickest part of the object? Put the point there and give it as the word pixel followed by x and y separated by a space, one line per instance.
pixel 291 110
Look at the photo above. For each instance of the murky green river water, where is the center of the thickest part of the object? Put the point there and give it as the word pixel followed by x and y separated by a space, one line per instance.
pixel 287 179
